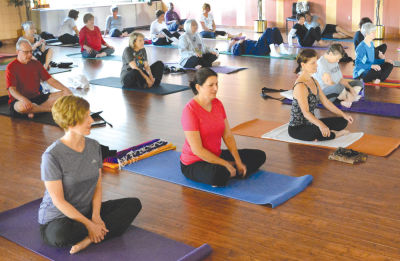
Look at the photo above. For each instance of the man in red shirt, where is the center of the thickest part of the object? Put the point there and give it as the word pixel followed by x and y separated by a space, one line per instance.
pixel 23 76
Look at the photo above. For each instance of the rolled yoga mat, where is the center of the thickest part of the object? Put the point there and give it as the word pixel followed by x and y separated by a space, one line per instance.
pixel 261 188
pixel 106 58
pixel 365 106
pixel 20 225
pixel 163 89
pixel 369 144
pixel 7 55
pixel 284 56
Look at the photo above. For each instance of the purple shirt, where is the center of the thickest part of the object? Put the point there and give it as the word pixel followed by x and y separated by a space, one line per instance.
pixel 171 15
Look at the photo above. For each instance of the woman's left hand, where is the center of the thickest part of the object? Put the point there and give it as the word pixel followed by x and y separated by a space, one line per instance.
pixel 348 118
pixel 241 168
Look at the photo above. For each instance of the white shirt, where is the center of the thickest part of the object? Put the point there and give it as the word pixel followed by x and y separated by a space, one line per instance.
pixel 156 28
pixel 67 27
pixel 208 21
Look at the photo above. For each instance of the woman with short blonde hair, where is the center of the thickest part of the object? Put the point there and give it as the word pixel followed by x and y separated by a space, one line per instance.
pixel 72 212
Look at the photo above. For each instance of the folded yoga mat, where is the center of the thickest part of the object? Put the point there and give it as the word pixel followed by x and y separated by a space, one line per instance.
pixel 163 89
pixel 365 106
pixel 106 58
pixel 350 40
pixel 262 187
pixel 44 117
pixel 284 57
pixel 20 226
pixel 367 143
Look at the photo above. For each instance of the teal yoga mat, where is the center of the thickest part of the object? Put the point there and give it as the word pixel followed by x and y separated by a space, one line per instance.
pixel 350 40
pixel 284 57
pixel 106 58
pixel 163 89
pixel 171 46
pixel 262 187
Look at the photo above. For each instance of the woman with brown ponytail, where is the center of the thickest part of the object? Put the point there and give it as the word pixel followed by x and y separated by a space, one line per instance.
pixel 307 94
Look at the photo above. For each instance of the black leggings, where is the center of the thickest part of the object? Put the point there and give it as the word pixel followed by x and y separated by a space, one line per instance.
pixel 68 39
pixel 116 214
pixel 133 79
pixel 217 175
pixel 165 40
pixel 312 35
pixel 205 61
pixel 312 132
pixel 382 74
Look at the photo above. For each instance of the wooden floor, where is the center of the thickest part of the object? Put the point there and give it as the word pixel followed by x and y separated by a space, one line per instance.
pixel 348 212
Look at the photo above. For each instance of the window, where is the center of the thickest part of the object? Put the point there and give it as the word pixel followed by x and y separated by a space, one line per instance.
pixel 62 4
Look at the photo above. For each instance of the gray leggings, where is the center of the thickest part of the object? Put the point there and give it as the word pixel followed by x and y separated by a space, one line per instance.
pixel 333 91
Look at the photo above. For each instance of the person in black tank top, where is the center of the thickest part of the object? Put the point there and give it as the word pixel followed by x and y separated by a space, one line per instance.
pixel 305 37
pixel 307 94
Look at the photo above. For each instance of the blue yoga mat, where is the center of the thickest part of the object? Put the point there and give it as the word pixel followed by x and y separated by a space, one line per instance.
pixel 368 107
pixel 20 225
pixel 261 188
pixel 338 40
pixel 284 57
pixel 106 58
pixel 163 89
pixel 171 46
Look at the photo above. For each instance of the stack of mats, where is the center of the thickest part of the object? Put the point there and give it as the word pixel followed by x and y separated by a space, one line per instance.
pixel 138 152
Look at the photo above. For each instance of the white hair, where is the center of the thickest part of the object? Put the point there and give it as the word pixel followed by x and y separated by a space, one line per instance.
pixel 188 25
pixel 20 42
pixel 367 28
pixel 27 25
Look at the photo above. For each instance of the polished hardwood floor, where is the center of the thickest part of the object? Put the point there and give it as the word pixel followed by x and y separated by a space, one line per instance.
pixel 347 213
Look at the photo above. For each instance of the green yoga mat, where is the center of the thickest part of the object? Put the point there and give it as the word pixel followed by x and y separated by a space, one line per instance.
pixel 106 58
pixel 163 89
pixel 284 57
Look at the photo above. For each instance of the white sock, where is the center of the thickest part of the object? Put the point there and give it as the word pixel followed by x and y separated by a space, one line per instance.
pixel 357 89
pixel 282 49
pixel 273 51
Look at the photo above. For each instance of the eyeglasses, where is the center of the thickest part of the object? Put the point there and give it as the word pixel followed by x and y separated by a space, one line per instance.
pixel 25 52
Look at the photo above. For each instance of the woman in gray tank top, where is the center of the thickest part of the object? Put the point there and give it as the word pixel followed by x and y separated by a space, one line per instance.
pixel 307 94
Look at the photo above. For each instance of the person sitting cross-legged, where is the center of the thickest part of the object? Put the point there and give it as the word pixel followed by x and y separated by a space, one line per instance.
pixel 23 77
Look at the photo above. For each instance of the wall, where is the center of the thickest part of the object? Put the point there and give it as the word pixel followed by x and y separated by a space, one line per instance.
pixel 10 20
pixel 346 13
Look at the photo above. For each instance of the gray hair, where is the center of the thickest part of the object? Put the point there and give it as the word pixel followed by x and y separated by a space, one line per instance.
pixel 367 28
pixel 188 25
pixel 114 8
pixel 20 42
pixel 27 25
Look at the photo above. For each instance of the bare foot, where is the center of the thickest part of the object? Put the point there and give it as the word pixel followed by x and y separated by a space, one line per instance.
pixel 31 115
pixel 216 63
pixel 80 246
pixel 346 104
pixel 377 81
pixel 340 133
pixel 101 55
pixel 197 67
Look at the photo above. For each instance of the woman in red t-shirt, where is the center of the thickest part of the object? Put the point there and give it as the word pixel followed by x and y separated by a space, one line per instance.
pixel 91 41
pixel 204 123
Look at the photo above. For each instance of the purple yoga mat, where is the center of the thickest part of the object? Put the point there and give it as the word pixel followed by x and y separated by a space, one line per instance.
pixel 368 107
pixel 20 226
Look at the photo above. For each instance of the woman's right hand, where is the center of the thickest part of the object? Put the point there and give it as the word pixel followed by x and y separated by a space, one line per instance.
pixel 326 132
pixel 96 232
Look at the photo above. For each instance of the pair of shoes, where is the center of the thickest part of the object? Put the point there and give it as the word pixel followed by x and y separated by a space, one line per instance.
pixel 53 64
pixel 167 70
pixel 177 70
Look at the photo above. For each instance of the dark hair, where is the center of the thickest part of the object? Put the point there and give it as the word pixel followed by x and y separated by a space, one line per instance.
pixel 298 16
pixel 159 13
pixel 336 49
pixel 201 76
pixel 73 14
pixel 364 20
pixel 87 17
pixel 303 57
